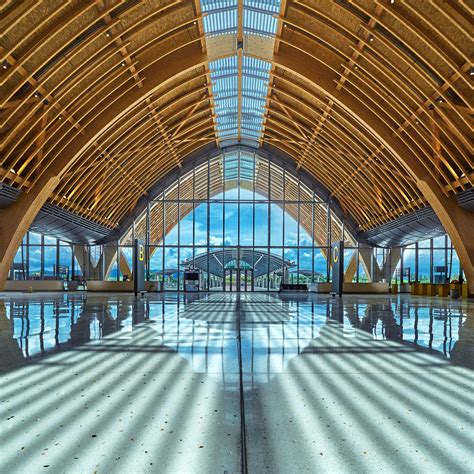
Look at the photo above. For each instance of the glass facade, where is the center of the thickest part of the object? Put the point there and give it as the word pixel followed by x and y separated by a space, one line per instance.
pixel 41 257
pixel 428 261
pixel 244 222
pixel 238 218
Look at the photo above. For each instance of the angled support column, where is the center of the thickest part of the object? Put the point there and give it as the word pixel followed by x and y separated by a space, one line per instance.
pixel 351 269
pixel 458 223
pixel 392 261
pixel 16 219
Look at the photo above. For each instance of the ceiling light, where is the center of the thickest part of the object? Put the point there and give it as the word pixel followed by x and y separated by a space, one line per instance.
pixel 37 94
pixel 391 2
pixel 123 63
pixel 371 38
pixel 5 64
pixel 471 72
pixel 356 67
pixel 439 99
pixel 108 34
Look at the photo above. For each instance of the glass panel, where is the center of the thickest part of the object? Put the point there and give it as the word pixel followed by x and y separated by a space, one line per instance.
pixel 320 264
pixel 276 225
pixel 439 242
pixel 350 266
pixel 363 277
pixel 126 263
pixel 171 221
pixel 409 262
pixel 18 270
pixel 291 265
pixel 278 272
pixel 156 224
pixel 186 224
pixel 261 224
pixel 34 238
pixel 140 228
pixel 276 180
pixel 246 224
pixel 455 265
pixel 65 259
pixel 49 240
pixel 216 227
pixel 34 262
pixel 424 243
pixel 423 266
pixel 113 272
pixel 305 224
pixel 78 272
pixel 306 265
pixel 231 224
pixel 49 272
pixel 440 269
pixel 156 263
pixel 291 225
pixel 111 264
pixel 171 268
pixel 200 226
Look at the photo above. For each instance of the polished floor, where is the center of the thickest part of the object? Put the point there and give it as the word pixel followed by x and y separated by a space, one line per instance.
pixel 217 383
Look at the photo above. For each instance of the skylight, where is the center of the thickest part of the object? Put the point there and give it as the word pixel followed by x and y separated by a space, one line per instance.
pixel 240 120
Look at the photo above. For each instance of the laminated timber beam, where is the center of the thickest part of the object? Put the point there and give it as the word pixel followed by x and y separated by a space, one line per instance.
pixel 16 219
pixel 458 223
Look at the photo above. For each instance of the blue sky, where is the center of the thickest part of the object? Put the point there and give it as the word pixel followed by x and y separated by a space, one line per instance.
pixel 231 237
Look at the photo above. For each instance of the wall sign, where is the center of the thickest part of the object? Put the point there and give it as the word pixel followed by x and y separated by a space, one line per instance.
pixel 337 253
pixel 139 266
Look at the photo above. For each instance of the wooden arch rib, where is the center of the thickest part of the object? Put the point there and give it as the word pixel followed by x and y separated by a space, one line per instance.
pixel 82 82
pixel 123 105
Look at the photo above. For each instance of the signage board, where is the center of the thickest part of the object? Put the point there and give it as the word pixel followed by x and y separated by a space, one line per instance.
pixel 337 263
pixel 139 266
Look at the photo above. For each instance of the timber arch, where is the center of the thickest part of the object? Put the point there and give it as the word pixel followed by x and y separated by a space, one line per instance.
pixel 110 99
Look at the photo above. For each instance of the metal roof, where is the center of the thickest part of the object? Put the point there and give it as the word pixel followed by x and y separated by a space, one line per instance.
pixel 248 258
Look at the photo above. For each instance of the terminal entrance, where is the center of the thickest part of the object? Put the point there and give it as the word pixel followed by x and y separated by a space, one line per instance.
pixel 239 269
pixel 238 279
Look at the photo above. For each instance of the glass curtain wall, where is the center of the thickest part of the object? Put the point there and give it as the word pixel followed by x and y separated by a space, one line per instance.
pixel 428 261
pixel 241 221
pixel 41 257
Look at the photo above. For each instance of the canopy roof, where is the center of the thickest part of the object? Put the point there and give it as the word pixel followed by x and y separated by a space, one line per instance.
pixel 219 260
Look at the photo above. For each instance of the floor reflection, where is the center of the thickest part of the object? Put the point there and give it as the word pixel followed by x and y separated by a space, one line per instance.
pixel 227 382
pixel 34 326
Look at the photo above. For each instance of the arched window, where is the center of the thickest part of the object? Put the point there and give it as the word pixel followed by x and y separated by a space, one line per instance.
pixel 242 221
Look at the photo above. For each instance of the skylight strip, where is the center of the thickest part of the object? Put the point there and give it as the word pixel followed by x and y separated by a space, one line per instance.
pixel 258 19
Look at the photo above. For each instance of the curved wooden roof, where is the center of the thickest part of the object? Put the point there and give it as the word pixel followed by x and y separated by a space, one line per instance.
pixel 110 95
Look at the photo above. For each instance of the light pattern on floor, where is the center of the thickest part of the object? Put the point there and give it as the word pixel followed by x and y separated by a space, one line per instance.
pixel 222 382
